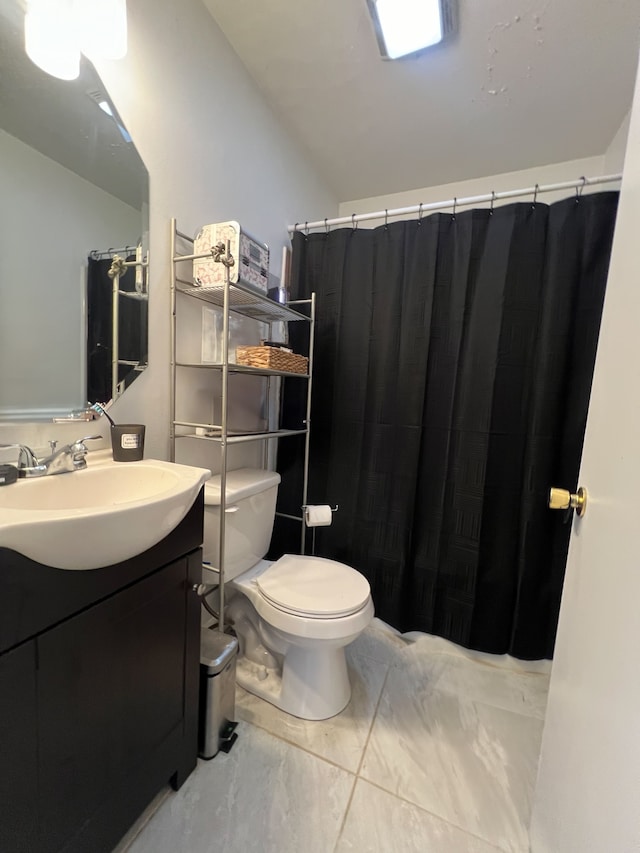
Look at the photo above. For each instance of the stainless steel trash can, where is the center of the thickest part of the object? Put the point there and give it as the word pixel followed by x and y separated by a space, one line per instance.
pixel 218 654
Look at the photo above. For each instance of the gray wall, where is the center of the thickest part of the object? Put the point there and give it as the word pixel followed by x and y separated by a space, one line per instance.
pixel 214 151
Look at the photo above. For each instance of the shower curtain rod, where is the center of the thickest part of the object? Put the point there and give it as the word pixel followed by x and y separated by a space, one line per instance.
pixel 97 254
pixel 454 203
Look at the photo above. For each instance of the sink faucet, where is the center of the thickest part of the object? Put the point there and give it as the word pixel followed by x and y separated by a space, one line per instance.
pixel 27 460
pixel 69 457
pixel 26 457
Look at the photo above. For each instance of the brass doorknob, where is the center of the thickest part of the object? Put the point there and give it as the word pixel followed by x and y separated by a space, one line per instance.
pixel 563 499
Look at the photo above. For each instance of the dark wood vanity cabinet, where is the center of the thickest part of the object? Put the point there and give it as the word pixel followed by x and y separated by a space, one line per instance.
pixel 18 750
pixel 98 711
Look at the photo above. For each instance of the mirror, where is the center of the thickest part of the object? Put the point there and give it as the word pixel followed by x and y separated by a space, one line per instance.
pixel 74 193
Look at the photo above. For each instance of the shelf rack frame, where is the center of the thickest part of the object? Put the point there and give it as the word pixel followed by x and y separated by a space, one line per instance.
pixel 246 301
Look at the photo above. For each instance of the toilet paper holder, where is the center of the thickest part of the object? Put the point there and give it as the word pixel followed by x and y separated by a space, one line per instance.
pixel 302 518
pixel 304 508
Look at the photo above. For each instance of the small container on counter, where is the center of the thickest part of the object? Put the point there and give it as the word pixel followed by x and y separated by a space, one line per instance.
pixel 8 474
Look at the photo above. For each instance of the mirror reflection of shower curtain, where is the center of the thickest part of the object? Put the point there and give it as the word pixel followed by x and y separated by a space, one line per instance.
pixel 452 373
pixel 132 330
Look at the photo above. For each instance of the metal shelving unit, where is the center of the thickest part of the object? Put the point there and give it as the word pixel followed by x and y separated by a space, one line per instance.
pixel 243 299
pixel 118 268
pixel 248 302
pixel 241 368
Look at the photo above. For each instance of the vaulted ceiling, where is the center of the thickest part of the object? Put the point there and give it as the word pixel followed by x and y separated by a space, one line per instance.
pixel 523 83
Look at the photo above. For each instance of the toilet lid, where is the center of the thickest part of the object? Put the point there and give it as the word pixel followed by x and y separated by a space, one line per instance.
pixel 314 586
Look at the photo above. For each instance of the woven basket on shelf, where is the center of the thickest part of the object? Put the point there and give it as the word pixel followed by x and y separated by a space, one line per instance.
pixel 271 358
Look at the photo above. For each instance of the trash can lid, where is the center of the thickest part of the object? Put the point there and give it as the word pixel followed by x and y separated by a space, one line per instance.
pixel 216 649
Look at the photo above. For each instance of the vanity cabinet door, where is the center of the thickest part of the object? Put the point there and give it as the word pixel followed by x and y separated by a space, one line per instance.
pixel 110 693
pixel 18 750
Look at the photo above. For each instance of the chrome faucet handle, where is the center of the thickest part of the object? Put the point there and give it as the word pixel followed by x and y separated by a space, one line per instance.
pixel 78 451
pixel 79 446
pixel 53 444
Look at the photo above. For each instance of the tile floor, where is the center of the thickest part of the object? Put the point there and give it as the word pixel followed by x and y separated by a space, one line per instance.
pixel 436 753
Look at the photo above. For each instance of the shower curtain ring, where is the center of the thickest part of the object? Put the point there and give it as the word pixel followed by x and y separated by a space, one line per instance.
pixel 306 227
pixel 354 224
pixel 386 220
pixel 580 190
pixel 535 196
pixel 455 204
pixel 420 214
pixel 493 199
pixel 326 227
pixel 295 227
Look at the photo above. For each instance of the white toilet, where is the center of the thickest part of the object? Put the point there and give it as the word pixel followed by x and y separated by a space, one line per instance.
pixel 293 617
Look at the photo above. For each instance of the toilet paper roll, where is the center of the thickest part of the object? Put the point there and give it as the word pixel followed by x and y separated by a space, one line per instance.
pixel 318 516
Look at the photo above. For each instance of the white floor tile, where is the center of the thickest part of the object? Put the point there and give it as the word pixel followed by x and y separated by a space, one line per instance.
pixel 340 739
pixel 467 761
pixel 447 764
pixel 380 642
pixel 264 796
pixel 523 693
pixel 378 822
pixel 430 644
pixel 387 645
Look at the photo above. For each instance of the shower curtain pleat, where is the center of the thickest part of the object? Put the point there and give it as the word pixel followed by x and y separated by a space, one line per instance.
pixel 453 368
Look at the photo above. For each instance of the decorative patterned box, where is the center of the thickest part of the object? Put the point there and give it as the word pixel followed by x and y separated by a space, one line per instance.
pixel 251 257
pixel 271 358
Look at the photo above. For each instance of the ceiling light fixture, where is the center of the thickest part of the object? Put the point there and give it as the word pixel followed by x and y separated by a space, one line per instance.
pixel 50 38
pixel 404 27
pixel 57 31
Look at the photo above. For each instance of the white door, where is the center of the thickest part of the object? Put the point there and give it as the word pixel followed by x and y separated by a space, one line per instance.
pixel 587 798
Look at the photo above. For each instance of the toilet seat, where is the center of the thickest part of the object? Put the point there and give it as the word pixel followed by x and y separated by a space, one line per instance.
pixel 304 627
pixel 313 587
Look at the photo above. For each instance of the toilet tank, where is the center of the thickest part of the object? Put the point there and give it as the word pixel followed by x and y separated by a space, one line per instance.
pixel 250 511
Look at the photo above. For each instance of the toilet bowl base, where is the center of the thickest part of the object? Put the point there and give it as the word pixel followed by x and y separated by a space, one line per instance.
pixel 314 684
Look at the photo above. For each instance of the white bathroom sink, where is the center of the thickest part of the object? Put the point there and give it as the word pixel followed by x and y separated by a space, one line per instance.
pixel 99 516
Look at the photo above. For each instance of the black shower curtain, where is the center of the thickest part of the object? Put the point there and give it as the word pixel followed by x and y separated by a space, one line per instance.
pixel 454 358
